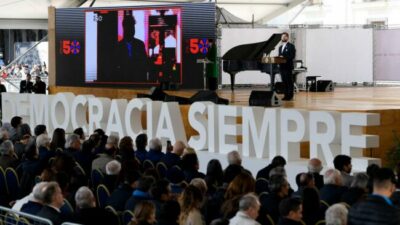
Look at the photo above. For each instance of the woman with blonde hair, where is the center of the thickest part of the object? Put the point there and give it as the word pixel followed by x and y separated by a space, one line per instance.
pixel 144 214
pixel 191 202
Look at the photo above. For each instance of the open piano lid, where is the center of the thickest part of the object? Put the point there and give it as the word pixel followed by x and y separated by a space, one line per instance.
pixel 252 51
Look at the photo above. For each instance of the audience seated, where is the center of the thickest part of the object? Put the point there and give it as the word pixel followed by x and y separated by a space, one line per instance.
pixel 276 161
pixel 141 193
pixel 126 150
pixel 110 150
pixel 234 168
pixel 190 166
pixel 248 211
pixel 113 169
pixel 336 215
pixel 144 214
pixel 169 213
pixel 377 208
pixel 313 210
pixel 123 192
pixel 291 212
pixel 40 129
pixel 343 164
pixel 333 189
pixel 16 121
pixel 8 157
pixel 191 202
pixel 358 190
pixel 315 168
pixel 174 158
pixel 86 211
pixel 306 180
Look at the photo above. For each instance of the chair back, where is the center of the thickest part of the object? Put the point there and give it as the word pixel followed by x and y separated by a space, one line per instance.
pixel 67 208
pixel 102 195
pixel 3 183
pixel 161 169
pixel 148 164
pixel 262 185
pixel 12 182
pixel 127 217
pixel 97 178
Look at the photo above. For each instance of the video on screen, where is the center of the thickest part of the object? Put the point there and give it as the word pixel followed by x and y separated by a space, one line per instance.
pixel 133 46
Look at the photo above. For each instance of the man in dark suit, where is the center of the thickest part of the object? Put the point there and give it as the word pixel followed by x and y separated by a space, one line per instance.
pixel 315 167
pixel 291 211
pixel 53 200
pixel 34 205
pixel 39 87
pixel 26 86
pixel 287 51
pixel 131 58
pixel 333 188
pixel 377 208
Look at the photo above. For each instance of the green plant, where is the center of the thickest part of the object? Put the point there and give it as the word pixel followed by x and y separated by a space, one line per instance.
pixel 393 155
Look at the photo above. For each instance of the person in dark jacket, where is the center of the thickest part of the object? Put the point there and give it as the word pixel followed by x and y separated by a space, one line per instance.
pixel 315 168
pixel 174 158
pixel 26 86
pixel 141 193
pixel 53 200
pixel 34 205
pixel 86 211
pixel 39 87
pixel 155 151
pixel 291 211
pixel 169 213
pixel 141 143
pixel 123 192
pixel 288 51
pixel 377 208
pixel 277 161
pixel 333 189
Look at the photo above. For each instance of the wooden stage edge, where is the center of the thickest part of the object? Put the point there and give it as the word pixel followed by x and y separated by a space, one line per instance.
pixel 382 100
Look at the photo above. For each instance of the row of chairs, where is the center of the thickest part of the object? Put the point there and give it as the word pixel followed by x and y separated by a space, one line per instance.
pixel 9 182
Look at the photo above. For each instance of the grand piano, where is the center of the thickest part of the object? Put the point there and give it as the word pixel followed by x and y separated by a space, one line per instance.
pixel 253 57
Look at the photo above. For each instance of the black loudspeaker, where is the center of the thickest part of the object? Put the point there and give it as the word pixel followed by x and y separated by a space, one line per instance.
pixel 156 94
pixel 322 86
pixel 264 98
pixel 206 95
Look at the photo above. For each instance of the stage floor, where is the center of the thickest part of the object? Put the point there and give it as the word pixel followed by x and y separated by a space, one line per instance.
pixel 341 99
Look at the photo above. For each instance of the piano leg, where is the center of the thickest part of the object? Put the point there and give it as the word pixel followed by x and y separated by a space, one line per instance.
pixel 232 81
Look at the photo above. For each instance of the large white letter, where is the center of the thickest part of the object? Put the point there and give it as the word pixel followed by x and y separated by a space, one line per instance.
pixel 60 111
pixel 133 116
pixel 198 121
pixel 324 136
pixel 170 124
pixel 114 124
pixel 39 110
pixel 9 106
pixel 353 139
pixel 228 129
pixel 98 113
pixel 293 131
pixel 153 109
pixel 259 128
pixel 79 109
pixel 213 142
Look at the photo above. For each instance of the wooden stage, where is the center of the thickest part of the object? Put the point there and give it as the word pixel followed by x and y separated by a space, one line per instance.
pixel 382 100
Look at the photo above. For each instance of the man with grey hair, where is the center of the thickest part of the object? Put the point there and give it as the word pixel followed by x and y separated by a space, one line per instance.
pixel 174 158
pixel 113 168
pixel 87 213
pixel 111 148
pixel 73 144
pixel 358 190
pixel 53 201
pixel 249 206
pixel 315 168
pixel 19 203
pixel 234 158
pixel 336 215
pixel 333 189
pixel 43 145
pixel 155 151
pixel 35 204
pixel 8 157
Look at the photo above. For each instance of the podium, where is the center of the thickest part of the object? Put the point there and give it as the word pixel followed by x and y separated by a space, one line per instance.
pixel 204 61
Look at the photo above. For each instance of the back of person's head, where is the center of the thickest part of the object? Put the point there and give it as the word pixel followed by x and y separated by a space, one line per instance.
pixel 31 151
pixel 336 215
pixel 79 131
pixel 277 171
pixel 112 142
pixel 16 121
pixel 276 183
pixel 200 184
pixel 214 168
pixel 340 161
pixel 234 158
pixel 38 191
pixel 84 198
pixel 191 198
pixel 314 165
pixel 40 129
pixel 58 138
pixel 24 129
pixel 311 201
pixel 113 167
pixel 160 190
pixel 250 204
pixel 333 176
pixel 170 211
pixel 278 161
pixel 242 184
pixel 49 190
pixel 42 140
pixel 371 170
pixel 289 207
pixel 189 150
pixel 126 143
pixel 231 172
pixel 71 141
pixel 144 212
pixel 141 141
pixel 178 148
pixel 155 144
pixel 360 181
pixel 7 148
pixel 144 183
pixel 63 180
pixel 88 146
pixel 190 162
pixel 306 179
pixel 385 180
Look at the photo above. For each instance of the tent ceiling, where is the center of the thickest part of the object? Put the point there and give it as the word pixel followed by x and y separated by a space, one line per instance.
pixel 244 9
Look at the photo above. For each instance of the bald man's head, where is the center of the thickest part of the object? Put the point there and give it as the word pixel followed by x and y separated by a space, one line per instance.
pixel 314 165
pixel 179 147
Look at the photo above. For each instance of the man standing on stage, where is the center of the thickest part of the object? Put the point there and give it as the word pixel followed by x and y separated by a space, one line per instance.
pixel 287 51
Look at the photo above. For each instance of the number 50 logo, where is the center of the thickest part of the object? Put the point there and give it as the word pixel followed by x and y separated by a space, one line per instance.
pixel 198 46
pixel 69 47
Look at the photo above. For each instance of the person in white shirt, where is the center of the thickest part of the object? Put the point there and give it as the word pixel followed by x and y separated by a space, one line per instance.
pixel 249 205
